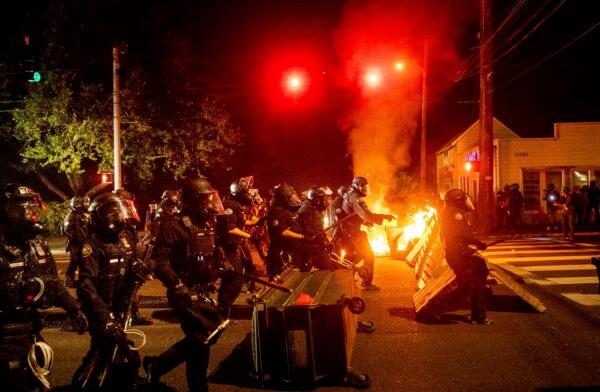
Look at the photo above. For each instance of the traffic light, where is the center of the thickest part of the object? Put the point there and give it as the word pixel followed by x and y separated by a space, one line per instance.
pixel 107 178
pixel 34 77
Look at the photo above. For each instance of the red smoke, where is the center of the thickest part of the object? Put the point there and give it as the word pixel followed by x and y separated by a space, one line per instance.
pixel 376 35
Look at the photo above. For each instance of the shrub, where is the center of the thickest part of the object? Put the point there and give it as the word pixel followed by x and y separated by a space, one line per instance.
pixel 53 217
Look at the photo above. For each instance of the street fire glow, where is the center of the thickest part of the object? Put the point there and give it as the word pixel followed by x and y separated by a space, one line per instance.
pixel 417 225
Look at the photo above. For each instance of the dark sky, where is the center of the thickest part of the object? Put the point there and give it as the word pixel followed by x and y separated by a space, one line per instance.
pixel 240 48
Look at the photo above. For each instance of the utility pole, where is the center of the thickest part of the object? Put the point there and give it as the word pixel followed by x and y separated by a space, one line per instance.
pixel 116 122
pixel 423 173
pixel 486 134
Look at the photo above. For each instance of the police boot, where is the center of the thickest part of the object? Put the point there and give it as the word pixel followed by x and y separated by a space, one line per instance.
pixel 148 364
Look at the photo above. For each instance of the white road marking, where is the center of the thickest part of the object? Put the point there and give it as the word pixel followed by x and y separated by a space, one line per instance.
pixel 584 299
pixel 503 260
pixel 575 280
pixel 562 267
pixel 542 251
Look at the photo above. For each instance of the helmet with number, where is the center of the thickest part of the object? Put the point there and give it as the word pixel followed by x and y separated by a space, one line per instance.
pixel 79 203
pixel 361 185
pixel 170 201
pixel 459 199
pixel 112 212
pixel 199 197
pixel 317 197
pixel 240 190
pixel 285 196
pixel 20 208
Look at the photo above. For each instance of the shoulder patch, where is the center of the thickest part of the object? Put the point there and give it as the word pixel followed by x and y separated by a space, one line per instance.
pixel 458 216
pixel 275 223
pixel 228 211
pixel 86 250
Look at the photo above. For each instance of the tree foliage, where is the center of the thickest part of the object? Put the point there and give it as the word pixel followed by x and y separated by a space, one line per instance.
pixel 65 123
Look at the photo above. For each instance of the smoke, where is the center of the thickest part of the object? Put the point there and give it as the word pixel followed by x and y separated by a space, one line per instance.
pixel 372 37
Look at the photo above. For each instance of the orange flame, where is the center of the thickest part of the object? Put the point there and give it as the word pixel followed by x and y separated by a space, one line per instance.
pixel 416 227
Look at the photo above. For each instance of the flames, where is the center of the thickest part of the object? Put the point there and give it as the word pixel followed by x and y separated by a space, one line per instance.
pixel 416 224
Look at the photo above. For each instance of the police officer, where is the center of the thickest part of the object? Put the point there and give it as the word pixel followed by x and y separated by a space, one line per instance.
pixel 313 251
pixel 354 237
pixel 28 282
pixel 185 256
pixel 470 269
pixel 232 237
pixel 75 228
pixel 284 230
pixel 109 275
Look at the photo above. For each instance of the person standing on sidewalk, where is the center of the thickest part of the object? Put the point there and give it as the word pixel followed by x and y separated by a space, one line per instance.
pixel 551 196
pixel 515 208
pixel 568 208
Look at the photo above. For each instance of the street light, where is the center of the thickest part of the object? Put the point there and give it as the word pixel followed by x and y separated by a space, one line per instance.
pixel 294 83
pixel 399 66
pixel 373 78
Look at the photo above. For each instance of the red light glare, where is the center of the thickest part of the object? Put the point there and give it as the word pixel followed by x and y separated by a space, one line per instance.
pixel 295 83
pixel 373 78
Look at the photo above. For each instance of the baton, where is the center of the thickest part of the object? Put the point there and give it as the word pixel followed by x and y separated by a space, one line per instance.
pixel 260 280
pixel 220 328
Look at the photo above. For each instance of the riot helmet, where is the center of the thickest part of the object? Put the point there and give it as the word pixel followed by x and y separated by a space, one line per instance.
pixel 199 197
pixel 459 199
pixel 285 196
pixel 79 203
pixel 170 201
pixel 112 212
pixel 20 209
pixel 240 190
pixel 361 185
pixel 317 197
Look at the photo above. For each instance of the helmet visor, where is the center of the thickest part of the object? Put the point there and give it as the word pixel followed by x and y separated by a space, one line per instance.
pixel 469 204
pixel 210 203
pixel 293 200
pixel 118 211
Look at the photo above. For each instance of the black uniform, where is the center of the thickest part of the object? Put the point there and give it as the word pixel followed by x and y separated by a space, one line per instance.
pixel 106 286
pixel 353 236
pixel 76 229
pixel 471 270
pixel 280 219
pixel 313 252
pixel 232 247
pixel 185 256
pixel 28 282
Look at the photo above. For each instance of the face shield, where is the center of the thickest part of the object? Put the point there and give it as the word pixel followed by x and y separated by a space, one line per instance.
pixel 293 200
pixel 209 203
pixel 24 209
pixel 469 204
pixel 118 213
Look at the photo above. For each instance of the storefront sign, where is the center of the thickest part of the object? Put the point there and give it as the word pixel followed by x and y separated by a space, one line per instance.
pixel 520 154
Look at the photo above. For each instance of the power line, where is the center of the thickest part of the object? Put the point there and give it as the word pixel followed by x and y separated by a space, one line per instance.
pixel 549 56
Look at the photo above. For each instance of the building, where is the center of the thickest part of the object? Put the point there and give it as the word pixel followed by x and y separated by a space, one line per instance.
pixel 570 158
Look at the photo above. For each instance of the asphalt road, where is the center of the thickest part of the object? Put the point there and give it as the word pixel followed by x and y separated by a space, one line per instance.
pixel 521 351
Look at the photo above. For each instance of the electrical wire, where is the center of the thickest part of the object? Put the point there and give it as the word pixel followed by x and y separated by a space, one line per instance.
pixel 580 36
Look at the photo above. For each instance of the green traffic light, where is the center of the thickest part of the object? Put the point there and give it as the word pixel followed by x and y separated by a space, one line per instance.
pixel 37 77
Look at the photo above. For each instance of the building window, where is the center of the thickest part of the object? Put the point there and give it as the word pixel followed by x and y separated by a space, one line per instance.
pixel 445 158
pixel 531 190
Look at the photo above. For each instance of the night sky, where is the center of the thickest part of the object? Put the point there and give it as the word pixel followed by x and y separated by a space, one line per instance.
pixel 240 48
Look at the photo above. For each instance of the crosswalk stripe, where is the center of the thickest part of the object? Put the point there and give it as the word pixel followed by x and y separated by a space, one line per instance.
pixel 584 299
pixel 575 280
pixel 562 267
pixel 543 251
pixel 502 260
pixel 552 245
